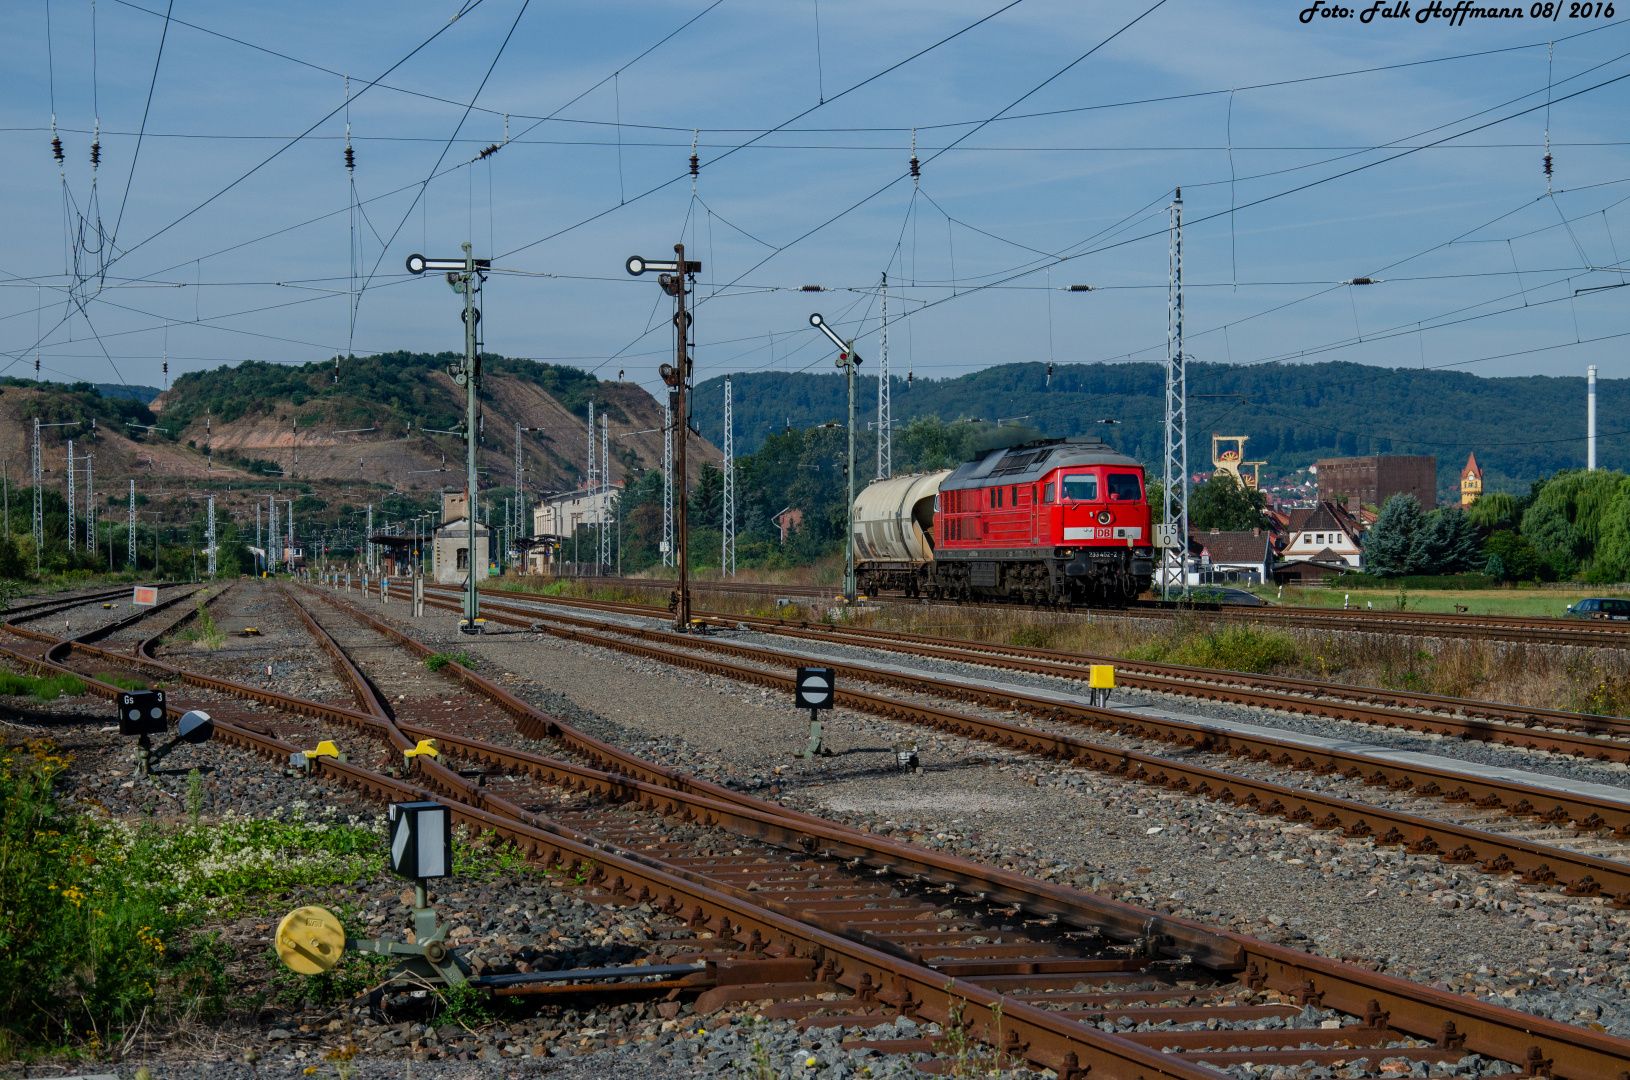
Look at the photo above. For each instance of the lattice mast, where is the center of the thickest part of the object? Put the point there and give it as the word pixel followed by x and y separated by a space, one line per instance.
pixel 273 556
pixel 130 526
pixel 885 437
pixel 605 497
pixel 520 486
pixel 73 501
pixel 39 500
pixel 727 555
pixel 667 485
pixel 90 505
pixel 592 518
pixel 1176 458
pixel 209 535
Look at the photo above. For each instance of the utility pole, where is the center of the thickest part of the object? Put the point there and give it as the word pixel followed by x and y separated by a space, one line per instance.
pixel 1176 455
pixel 667 485
pixel 131 528
pixel 272 538
pixel 209 536
pixel 368 540
pixel 592 518
pixel 885 437
pixel 90 506
pixel 605 485
pixel 727 556
pixel 465 276
pixel 848 360
pixel 677 277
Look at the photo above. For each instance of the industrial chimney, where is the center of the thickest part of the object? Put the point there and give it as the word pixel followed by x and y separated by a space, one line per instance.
pixel 1590 418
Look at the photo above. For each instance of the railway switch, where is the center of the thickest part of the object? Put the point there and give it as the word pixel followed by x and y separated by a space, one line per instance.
pixel 311 940
pixel 814 689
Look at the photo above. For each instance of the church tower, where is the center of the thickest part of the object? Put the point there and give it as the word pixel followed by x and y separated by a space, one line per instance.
pixel 1471 481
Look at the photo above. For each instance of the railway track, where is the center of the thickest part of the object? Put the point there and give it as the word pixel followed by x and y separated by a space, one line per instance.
pixel 830 906
pixel 1580 735
pixel 1501 809
pixel 1533 630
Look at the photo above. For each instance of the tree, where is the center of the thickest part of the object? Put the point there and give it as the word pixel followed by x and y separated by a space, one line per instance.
pixel 1397 543
pixel 1514 555
pixel 1453 543
pixel 1225 504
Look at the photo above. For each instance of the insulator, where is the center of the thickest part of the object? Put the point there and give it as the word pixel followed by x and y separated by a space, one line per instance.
pixel 1049 374
pixel 350 157
pixel 910 375
pixel 96 154
pixel 36 366
pixel 488 152
pixel 56 148
pixel 695 164
pixel 166 367
pixel 916 167
pixel 619 374
pixel 1547 164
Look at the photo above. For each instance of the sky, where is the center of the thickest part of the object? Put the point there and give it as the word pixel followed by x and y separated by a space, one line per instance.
pixel 222 224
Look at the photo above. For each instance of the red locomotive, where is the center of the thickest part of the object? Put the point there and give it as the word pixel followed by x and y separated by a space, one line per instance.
pixel 1064 521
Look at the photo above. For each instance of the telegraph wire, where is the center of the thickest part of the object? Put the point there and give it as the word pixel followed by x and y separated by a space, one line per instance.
pixel 163 37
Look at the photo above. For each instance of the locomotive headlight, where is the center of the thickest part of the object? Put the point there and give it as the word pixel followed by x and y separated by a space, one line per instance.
pixel 1105 517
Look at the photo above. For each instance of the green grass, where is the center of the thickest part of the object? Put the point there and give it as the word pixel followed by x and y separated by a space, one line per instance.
pixel 42 689
pixel 437 661
pixel 1519 600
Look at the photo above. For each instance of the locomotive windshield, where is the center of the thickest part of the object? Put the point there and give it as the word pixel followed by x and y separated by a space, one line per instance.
pixel 1124 487
pixel 1081 488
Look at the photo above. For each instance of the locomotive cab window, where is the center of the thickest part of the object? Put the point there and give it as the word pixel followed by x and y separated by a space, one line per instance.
pixel 1081 488
pixel 1124 487
pixel 1046 493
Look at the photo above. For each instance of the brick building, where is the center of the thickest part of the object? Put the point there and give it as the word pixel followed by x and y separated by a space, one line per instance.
pixel 1372 481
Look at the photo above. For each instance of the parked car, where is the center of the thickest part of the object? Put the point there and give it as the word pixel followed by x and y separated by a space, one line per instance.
pixel 1599 608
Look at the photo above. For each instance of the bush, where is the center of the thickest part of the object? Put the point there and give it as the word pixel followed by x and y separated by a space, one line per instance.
pixel 83 943
pixel 1242 648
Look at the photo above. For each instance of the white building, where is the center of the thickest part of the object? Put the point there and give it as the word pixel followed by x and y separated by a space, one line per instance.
pixel 560 515
pixel 1325 534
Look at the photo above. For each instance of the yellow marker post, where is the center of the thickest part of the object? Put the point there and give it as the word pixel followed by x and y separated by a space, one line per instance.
pixel 1101 681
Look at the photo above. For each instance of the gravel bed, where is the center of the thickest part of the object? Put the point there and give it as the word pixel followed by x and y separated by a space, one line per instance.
pixel 1412 916
pixel 1539 761
pixel 1354 790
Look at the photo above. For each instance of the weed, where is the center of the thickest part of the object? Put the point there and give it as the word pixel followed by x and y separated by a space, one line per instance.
pixel 203 632
pixel 1239 648
pixel 125 682
pixel 354 974
pixel 199 981
pixel 42 689
pixel 195 795
pixel 437 661
pixel 1031 637
pixel 464 1004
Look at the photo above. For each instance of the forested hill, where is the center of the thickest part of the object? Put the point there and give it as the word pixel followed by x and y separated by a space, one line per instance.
pixel 1520 428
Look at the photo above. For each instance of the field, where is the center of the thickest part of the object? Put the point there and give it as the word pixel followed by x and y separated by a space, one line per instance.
pixel 1518 600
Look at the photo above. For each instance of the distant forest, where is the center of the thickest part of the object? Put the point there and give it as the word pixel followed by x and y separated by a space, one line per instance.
pixel 389 389
pixel 1521 428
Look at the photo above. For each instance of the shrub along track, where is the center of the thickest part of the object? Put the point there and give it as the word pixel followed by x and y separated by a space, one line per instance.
pixel 764 932
pixel 1578 873
pixel 1533 630
pixel 1582 735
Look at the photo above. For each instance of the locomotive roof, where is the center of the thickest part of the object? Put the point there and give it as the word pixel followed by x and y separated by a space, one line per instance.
pixel 1017 464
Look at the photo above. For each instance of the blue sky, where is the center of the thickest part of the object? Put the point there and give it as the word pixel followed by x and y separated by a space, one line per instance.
pixel 209 265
